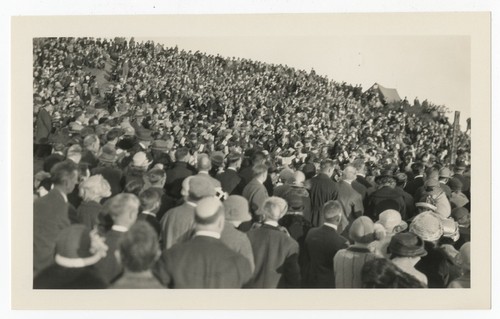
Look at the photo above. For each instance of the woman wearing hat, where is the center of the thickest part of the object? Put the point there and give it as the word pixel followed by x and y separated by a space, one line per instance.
pixel 406 249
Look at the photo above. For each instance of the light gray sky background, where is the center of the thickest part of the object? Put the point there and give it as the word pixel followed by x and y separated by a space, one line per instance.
pixel 436 68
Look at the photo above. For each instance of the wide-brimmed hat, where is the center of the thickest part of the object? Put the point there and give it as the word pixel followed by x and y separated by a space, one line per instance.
pixel 217 158
pixel 108 154
pixel 406 245
pixel 390 219
pixel 161 145
pixel 73 247
pixel 144 135
pixel 445 172
pixel 428 226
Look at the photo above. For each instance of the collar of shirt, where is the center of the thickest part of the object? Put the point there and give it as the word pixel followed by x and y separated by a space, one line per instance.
pixel 347 181
pixel 145 212
pixel 64 196
pixel 207 233
pixel 271 223
pixel 119 228
pixel 331 225
pixel 142 146
pixel 203 172
pixel 78 122
pixel 362 175
pixel 232 168
pixel 418 176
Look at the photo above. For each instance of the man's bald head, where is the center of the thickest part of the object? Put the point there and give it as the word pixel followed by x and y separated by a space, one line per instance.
pixel 204 162
pixel 349 173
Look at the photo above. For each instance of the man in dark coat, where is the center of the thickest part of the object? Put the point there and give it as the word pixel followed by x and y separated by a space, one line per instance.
pixel 385 197
pixel 401 179
pixel 359 165
pixel 50 214
pixel 321 245
pixel 43 123
pixel 204 261
pixel 417 181
pixel 275 252
pixel 230 179
pixel 178 173
pixel 246 173
pixel 350 199
pixel 323 189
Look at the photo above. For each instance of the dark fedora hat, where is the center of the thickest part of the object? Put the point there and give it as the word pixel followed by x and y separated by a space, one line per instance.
pixel 407 245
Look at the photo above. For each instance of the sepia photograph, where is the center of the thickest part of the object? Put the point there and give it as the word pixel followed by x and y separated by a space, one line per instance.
pixel 309 161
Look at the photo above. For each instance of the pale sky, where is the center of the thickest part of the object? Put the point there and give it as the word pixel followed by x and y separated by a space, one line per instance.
pixel 432 67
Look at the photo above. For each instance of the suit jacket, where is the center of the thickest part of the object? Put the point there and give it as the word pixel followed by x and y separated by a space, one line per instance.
pixel 276 258
pixel 409 204
pixel 109 267
pixel 256 194
pixel 175 176
pixel 215 182
pixel 202 262
pixel 412 186
pixel 246 175
pixel 58 277
pixel 239 242
pixel 50 217
pixel 322 190
pixel 88 213
pixel 177 224
pixel 382 199
pixel 360 188
pixel 321 245
pixel 230 181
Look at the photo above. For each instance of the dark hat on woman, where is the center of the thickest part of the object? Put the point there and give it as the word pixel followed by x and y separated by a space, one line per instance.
pixel 407 245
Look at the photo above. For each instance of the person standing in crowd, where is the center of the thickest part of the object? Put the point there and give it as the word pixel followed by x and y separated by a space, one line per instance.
pixel 321 245
pixel 178 173
pixel 230 180
pixel 435 265
pixel 392 224
pixel 204 166
pixel 459 173
pixel 155 180
pixel 298 190
pixel 463 261
pixel 255 191
pixel 323 189
pixel 406 249
pixel 123 210
pixel 237 211
pixel 204 261
pixel 138 251
pixel 401 179
pixel 92 191
pixel 350 199
pixel 462 216
pixel 444 177
pixel 77 251
pixel 91 146
pixel 457 198
pixel 417 170
pixel 150 204
pixel 50 214
pixel 108 169
pixel 348 262
pixel 385 197
pixel 177 223
pixel 44 124
pixel 276 253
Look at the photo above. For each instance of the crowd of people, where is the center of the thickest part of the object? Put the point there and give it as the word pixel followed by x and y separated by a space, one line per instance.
pixel 160 168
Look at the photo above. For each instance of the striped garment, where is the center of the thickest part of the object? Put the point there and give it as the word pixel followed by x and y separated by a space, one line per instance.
pixel 347 265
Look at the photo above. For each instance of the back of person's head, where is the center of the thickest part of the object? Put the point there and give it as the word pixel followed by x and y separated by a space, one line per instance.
pixel 139 248
pixel 299 178
pixel 417 168
pixel 332 212
pixel 181 154
pixel 204 163
pixel 274 208
pixel 349 173
pixel 150 200
pixel 327 166
pixel 123 209
pixel 259 169
pixel 209 214
pixel 64 173
pixel 258 157
pixel 382 273
pixel 74 153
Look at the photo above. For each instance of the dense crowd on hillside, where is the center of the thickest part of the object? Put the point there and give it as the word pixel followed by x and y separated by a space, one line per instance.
pixel 160 168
